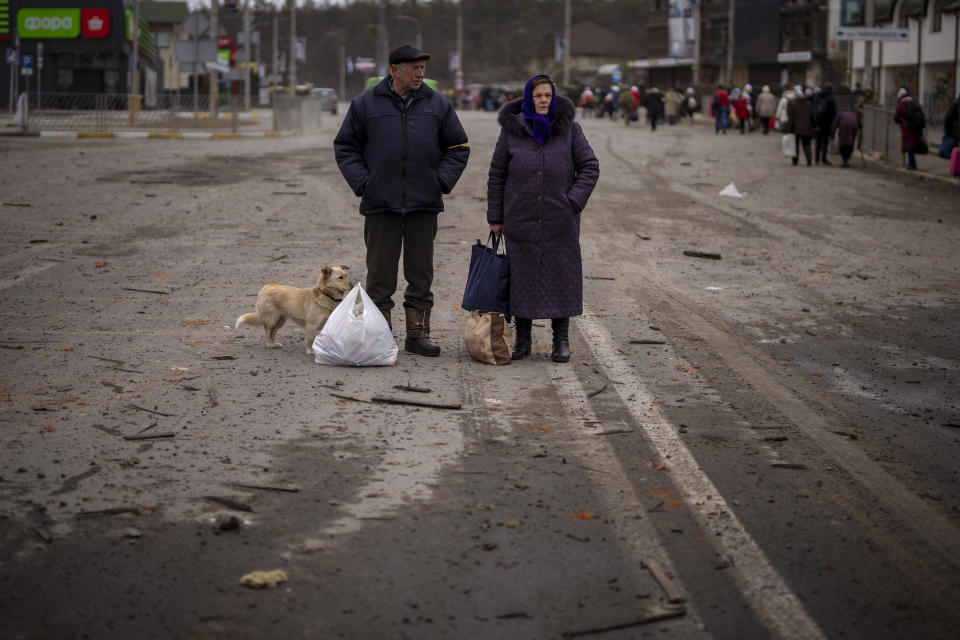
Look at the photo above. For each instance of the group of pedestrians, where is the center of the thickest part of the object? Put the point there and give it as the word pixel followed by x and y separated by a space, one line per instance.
pixel 671 106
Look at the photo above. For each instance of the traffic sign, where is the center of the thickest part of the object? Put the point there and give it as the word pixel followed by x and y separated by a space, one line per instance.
pixel 11 56
pixel 26 65
pixel 871 33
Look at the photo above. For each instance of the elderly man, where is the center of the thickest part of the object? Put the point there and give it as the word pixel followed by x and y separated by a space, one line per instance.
pixel 400 147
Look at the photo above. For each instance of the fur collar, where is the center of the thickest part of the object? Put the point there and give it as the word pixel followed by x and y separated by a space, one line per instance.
pixel 511 117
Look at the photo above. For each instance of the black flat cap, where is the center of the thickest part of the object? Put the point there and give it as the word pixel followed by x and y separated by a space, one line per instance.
pixel 407 53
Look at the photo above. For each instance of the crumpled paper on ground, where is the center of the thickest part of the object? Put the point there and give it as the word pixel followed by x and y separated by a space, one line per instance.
pixel 264 579
pixel 731 191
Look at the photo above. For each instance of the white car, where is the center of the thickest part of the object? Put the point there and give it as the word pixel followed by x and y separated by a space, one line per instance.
pixel 329 98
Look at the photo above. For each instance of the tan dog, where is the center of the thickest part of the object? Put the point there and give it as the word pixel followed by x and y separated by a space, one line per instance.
pixel 308 307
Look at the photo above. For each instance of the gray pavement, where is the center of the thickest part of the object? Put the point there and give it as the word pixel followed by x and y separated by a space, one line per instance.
pixel 775 429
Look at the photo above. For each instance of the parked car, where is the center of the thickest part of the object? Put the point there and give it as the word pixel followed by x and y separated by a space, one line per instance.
pixel 328 98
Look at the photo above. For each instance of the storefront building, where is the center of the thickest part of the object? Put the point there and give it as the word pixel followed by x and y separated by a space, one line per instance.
pixel 76 49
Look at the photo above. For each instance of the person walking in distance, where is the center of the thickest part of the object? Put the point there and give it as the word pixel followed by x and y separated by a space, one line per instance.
pixel 766 107
pixel 825 111
pixel 400 148
pixel 653 102
pixel 541 176
pixel 800 122
pixel 911 128
pixel 845 126
pixel 721 109
pixel 628 104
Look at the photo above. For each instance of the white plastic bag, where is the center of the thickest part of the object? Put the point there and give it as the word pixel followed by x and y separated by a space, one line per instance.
pixel 731 191
pixel 788 145
pixel 356 334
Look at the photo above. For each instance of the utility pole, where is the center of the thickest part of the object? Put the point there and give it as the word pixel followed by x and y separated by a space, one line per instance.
pixel 868 48
pixel 696 44
pixel 246 54
pixel 134 105
pixel 383 47
pixel 342 47
pixel 730 42
pixel 566 42
pixel 460 39
pixel 275 68
pixel 214 74
pixel 293 45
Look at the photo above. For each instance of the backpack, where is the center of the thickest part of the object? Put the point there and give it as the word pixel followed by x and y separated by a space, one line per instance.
pixel 691 103
pixel 916 122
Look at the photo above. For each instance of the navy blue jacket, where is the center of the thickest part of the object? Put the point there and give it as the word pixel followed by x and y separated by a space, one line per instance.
pixel 401 160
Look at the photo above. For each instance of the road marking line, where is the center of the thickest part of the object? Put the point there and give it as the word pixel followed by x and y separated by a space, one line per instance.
pixel 641 537
pixel 777 608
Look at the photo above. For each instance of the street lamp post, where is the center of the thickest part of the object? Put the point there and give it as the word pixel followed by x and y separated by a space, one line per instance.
pixel 383 47
pixel 416 23
pixel 134 105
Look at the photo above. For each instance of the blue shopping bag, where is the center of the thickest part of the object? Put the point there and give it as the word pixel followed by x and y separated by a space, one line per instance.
pixel 488 281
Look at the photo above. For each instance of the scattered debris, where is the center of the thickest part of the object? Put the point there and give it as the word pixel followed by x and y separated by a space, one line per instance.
pixel 44 535
pixel 643 237
pixel 39 241
pixel 16 204
pixel 416 403
pixel 578 539
pixel 513 614
pixel 151 436
pixel 264 579
pixel 289 193
pixel 775 439
pixel 139 408
pixel 132 533
pixel 598 391
pixel 164 293
pixel 340 395
pixel 788 465
pixel 772 426
pixel 660 574
pixel 407 387
pixel 644 341
pixel 117 388
pixel 230 503
pixel 223 357
pixel 598 278
pixel 151 182
pixel 213 397
pixel 952 424
pixel 228 523
pixel 731 191
pixel 278 258
pixel 847 434
pixel 702 254
pixel 611 432
pixel 268 487
pixel 113 511
pixel 662 613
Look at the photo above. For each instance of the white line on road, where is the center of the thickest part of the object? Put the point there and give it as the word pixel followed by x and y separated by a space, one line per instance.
pixel 777 608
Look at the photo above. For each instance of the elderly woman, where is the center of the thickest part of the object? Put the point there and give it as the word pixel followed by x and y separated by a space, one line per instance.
pixel 541 175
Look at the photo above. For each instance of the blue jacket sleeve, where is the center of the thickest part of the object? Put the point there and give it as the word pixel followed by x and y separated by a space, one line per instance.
pixel 348 148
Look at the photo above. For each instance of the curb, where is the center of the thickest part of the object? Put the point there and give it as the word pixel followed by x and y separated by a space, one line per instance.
pixel 160 135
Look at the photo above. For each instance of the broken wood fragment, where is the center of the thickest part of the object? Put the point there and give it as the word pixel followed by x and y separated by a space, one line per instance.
pixel 268 487
pixel 702 254
pixel 145 290
pixel 645 341
pixel 660 574
pixel 340 395
pixel 151 436
pixel 612 432
pixel 16 204
pixel 416 403
pixel 650 616
pixel 598 391
pixel 413 389
pixel 278 258
pixel 159 413
pixel 187 387
pixel 775 439
pixel 643 237
pixel 236 505
pixel 598 278
pixel 112 511
pixel 223 357
pixel 788 465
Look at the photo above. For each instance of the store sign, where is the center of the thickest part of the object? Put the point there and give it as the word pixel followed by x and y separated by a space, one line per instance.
pixel 95 23
pixel 794 56
pixel 48 23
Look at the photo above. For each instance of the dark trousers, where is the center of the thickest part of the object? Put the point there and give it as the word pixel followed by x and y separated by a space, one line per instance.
pixel 823 141
pixel 385 234
pixel 765 123
pixel 845 153
pixel 653 122
pixel 803 141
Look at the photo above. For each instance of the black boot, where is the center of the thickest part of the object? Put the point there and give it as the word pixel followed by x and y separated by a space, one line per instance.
pixel 524 338
pixel 561 340
pixel 418 334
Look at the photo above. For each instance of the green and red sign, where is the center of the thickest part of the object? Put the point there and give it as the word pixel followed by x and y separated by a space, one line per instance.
pixel 48 23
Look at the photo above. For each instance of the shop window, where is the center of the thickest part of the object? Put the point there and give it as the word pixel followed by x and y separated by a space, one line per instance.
pixel 162 38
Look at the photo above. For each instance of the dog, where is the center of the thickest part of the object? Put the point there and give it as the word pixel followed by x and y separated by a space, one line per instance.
pixel 308 307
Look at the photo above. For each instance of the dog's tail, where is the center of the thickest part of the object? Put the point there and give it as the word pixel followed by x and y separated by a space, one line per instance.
pixel 247 318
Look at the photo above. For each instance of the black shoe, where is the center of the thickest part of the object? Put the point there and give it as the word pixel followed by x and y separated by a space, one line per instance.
pixel 794 162
pixel 421 347
pixel 523 342
pixel 561 340
pixel 826 162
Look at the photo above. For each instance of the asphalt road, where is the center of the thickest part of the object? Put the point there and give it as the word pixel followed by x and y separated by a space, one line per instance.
pixel 759 446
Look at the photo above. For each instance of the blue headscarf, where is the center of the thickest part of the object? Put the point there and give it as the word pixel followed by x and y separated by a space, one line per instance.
pixel 539 123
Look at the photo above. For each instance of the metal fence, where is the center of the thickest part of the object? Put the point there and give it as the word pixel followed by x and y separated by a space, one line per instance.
pixel 882 134
pixel 120 112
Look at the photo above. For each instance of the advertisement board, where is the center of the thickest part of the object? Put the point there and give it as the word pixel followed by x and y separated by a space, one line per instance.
pixel 48 23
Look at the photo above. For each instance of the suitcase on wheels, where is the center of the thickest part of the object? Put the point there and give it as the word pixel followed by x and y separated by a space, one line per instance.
pixel 955 162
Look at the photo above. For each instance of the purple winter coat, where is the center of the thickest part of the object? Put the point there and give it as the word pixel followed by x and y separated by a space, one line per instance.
pixel 845 126
pixel 537 193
